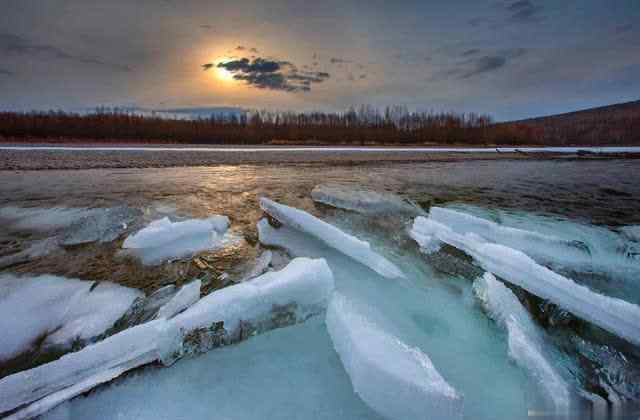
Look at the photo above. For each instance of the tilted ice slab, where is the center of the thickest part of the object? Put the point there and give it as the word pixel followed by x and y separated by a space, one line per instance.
pixel 523 240
pixel 614 315
pixel 163 239
pixel 396 380
pixel 59 309
pixel 284 374
pixel 186 296
pixel 362 201
pixel 274 299
pixel 526 342
pixel 48 385
pixel 332 236
pixel 567 246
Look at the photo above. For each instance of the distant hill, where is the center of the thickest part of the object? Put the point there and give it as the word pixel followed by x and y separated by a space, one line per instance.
pixel 617 124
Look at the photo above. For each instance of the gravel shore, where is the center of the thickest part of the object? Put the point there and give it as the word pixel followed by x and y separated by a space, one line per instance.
pixel 35 159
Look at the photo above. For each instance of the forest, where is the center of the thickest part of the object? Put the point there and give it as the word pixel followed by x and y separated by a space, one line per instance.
pixel 365 125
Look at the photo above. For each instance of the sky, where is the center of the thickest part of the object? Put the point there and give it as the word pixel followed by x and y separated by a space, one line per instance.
pixel 511 59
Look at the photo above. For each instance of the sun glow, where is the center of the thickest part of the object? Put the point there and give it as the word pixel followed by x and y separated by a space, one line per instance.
pixel 224 74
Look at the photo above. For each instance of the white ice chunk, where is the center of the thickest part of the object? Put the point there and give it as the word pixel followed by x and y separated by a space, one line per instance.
pixel 59 309
pixel 332 236
pixel 304 282
pixel 80 371
pixel 186 296
pixel 526 341
pixel 163 239
pixel 362 201
pixel 614 315
pixel 397 381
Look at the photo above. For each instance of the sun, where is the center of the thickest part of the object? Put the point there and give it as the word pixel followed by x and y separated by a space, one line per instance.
pixel 224 74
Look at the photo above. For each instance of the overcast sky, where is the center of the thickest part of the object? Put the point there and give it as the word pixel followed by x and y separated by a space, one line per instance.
pixel 511 59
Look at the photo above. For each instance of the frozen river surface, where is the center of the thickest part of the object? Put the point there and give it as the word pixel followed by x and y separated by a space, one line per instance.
pixel 414 327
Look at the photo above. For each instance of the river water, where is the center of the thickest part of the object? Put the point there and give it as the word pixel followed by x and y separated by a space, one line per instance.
pixel 431 311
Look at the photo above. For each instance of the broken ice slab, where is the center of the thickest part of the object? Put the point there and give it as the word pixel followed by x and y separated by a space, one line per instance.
pixel 105 225
pixel 614 315
pixel 526 342
pixel 43 219
pixel 131 348
pixel 56 312
pixel 163 239
pixel 363 201
pixel 397 381
pixel 331 236
pixel 275 299
pixel 186 296
pixel 428 313
pixel 272 300
pixel 288 373
pixel 594 255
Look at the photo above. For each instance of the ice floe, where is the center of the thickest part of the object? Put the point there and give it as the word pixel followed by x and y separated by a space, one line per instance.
pixel 526 342
pixel 50 311
pixel 362 201
pixel 396 380
pixel 614 315
pixel 163 239
pixel 332 236
pixel 260 266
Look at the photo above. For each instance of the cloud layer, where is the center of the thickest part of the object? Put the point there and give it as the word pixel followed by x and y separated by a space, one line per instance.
pixel 263 73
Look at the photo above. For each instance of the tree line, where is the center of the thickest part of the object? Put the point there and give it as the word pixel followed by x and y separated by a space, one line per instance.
pixel 359 126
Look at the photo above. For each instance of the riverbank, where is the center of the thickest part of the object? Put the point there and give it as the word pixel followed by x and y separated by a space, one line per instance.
pixel 43 156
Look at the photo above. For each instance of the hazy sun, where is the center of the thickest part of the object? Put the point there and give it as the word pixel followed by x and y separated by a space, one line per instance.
pixel 224 74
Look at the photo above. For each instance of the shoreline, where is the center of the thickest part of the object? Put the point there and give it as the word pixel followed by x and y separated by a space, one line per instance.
pixel 66 157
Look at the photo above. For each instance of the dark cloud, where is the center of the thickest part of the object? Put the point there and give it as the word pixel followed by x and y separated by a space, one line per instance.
pixel 362 76
pixel 271 74
pixel 484 64
pixel 253 50
pixel 206 26
pixel 523 11
pixel 15 45
pixel 240 48
pixel 4 72
pixel 207 66
pixel 470 52
pixel 337 60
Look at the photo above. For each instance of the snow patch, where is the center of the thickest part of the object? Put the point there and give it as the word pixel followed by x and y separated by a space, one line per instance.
pixel 332 236
pixel 397 381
